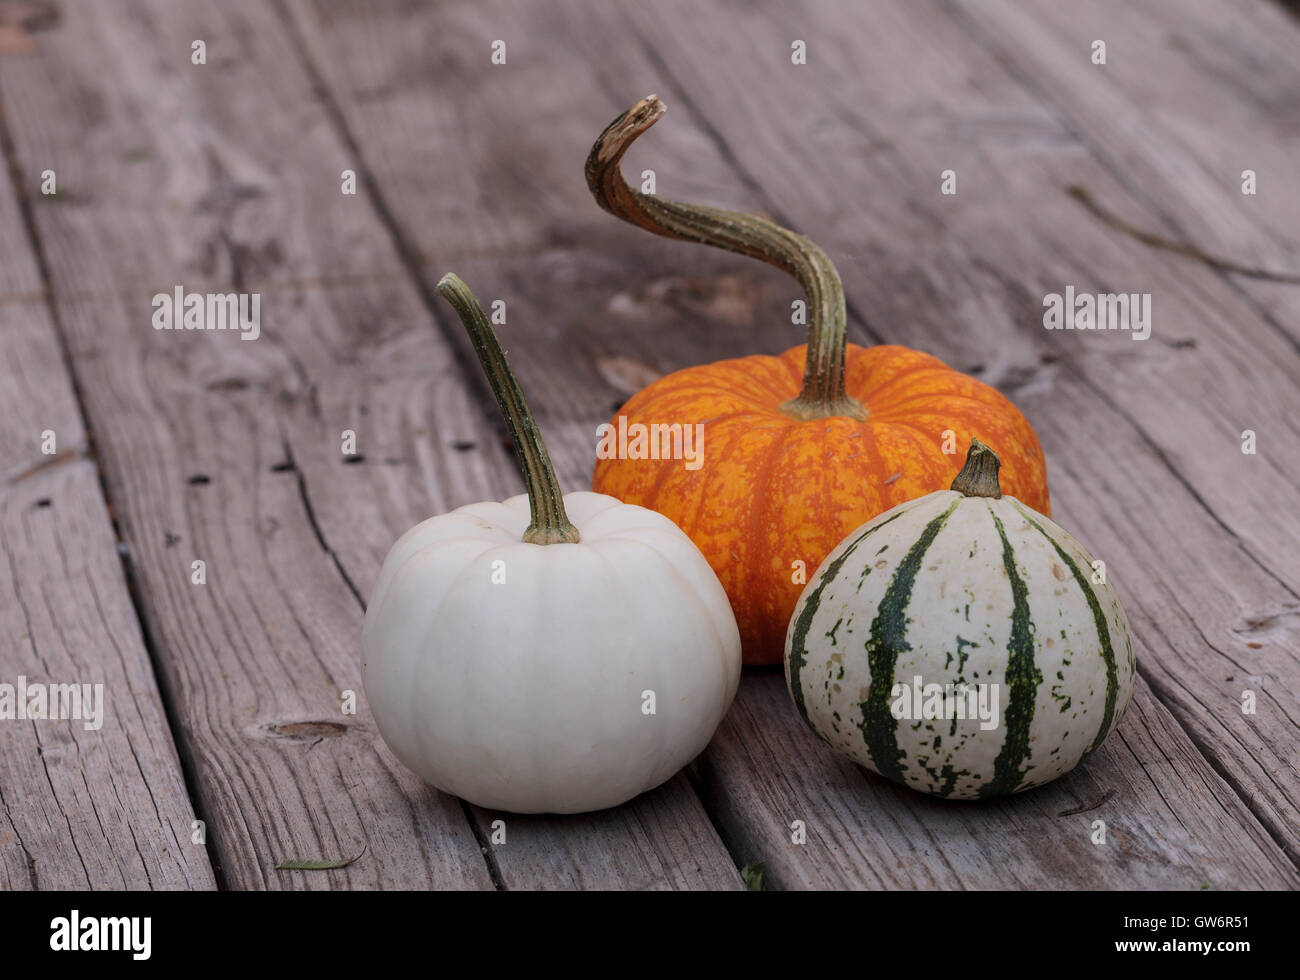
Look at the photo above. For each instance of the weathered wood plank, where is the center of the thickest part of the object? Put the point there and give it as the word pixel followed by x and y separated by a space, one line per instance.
pixel 96 801
pixel 916 271
pixel 292 532
pixel 269 643
pixel 103 806
pixel 1192 95
pixel 660 841
pixel 1174 135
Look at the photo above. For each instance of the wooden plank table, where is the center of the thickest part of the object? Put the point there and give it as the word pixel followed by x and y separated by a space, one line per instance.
pixel 223 700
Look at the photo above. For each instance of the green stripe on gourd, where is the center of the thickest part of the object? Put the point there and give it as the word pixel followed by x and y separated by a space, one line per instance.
pixel 809 602
pixel 1103 633
pixel 1023 677
pixel 887 640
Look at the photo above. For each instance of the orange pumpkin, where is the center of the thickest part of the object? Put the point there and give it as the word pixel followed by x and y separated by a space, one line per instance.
pixel 794 452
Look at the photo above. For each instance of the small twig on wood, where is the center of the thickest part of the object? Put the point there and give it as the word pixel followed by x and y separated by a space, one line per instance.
pixel 318 865
pixel 1084 809
pixel 63 456
pixel 1185 249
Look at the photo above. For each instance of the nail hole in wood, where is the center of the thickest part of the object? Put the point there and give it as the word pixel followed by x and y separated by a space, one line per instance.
pixel 200 480
pixel 356 458
pixel 285 467
pixel 463 445
pixel 44 502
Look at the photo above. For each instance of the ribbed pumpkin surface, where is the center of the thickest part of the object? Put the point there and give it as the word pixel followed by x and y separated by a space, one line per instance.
pixel 773 490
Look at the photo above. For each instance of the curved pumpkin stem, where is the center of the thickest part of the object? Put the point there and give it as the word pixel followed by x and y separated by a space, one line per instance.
pixel 823 393
pixel 550 524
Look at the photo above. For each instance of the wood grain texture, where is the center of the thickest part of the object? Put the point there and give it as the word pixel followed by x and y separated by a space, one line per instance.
pixel 1191 96
pixel 191 425
pixel 660 841
pixel 230 451
pixel 97 807
pixel 83 807
pixel 854 148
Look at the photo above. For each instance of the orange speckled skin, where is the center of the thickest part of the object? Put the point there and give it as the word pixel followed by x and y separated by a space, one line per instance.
pixel 773 490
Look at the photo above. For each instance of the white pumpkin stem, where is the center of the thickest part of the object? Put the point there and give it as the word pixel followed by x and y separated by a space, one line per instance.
pixel 979 477
pixel 823 394
pixel 550 524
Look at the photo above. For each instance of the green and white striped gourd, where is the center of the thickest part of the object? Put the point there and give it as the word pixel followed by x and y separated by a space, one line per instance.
pixel 961 587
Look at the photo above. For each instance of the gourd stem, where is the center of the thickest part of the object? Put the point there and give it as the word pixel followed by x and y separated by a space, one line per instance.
pixel 979 477
pixel 550 524
pixel 823 393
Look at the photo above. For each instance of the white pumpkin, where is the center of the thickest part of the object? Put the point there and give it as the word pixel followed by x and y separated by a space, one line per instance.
pixel 546 654
pixel 961 643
